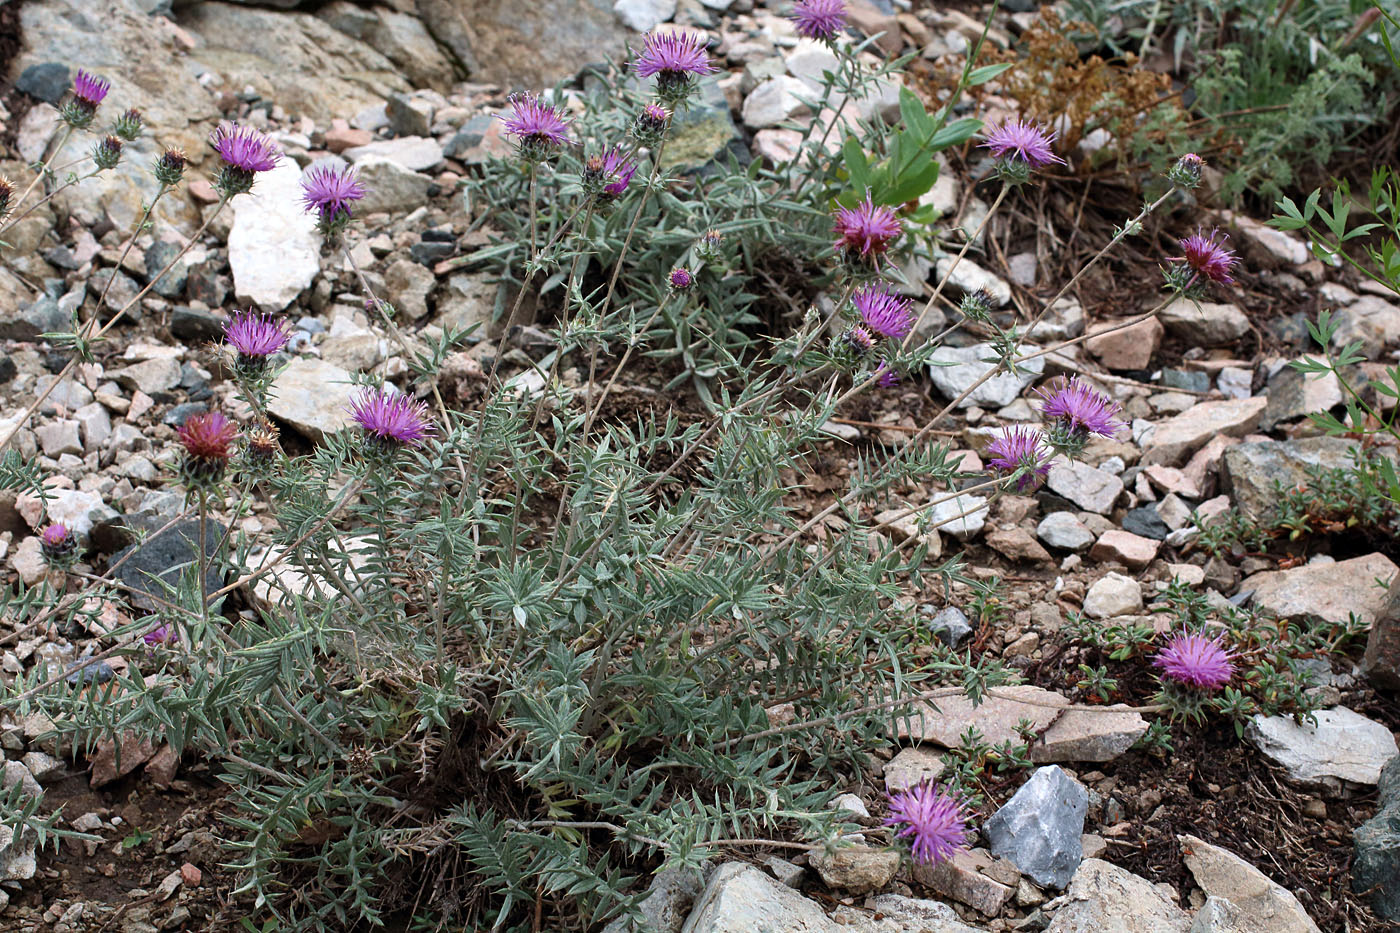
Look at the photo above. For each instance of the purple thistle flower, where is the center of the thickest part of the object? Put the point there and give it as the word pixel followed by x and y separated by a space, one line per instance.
pixel 887 377
pixel 1196 660
pixel 56 542
pixel 329 189
pixel 620 168
pixel 255 335
pixel 1019 448
pixel 866 229
pixel 933 819
pixel 650 124
pixel 89 90
pixel 681 279
pixel 819 19
pixel 884 312
pixel 538 126
pixel 673 56
pixel 162 634
pixel 1023 142
pixel 1208 257
pixel 244 148
pixel 1078 408
pixel 392 420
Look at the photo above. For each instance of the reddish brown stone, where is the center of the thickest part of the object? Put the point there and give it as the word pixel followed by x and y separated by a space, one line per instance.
pixel 161 768
pixel 1127 349
pixel 105 766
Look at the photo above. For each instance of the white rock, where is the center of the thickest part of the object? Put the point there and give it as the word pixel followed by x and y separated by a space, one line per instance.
pixel 274 250
pixel 954 369
pixel 1091 489
pixel 965 516
pixel 644 15
pixel 415 153
pixel 1113 595
pixel 1265 905
pixel 313 396
pixel 1104 898
pixel 1063 530
pixel 969 277
pixel 775 101
pixel 742 899
pixel 1343 745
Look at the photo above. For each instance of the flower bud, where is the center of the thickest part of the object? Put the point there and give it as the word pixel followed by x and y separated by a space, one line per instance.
pixel 107 153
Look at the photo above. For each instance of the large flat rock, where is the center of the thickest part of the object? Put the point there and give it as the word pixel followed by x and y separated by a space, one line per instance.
pixel 1343 745
pixel 1265 906
pixel 995 718
pixel 1104 898
pixel 312 396
pixel 1324 592
pixel 1177 438
pixel 1251 470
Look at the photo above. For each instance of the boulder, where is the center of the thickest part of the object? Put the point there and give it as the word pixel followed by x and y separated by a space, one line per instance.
pixel 1324 592
pixel 1265 906
pixel 1250 470
pixel 1104 898
pixel 1343 745
pixel 274 250
pixel 1376 868
pixel 1175 439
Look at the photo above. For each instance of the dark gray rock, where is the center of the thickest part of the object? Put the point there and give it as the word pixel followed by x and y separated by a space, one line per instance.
pixel 1181 379
pixel 159 255
pixel 1145 521
pixel 206 285
pixel 47 82
pixel 192 324
pixel 1039 828
pixel 177 414
pixel 951 626
pixel 41 316
pixel 161 561
pixel 1376 867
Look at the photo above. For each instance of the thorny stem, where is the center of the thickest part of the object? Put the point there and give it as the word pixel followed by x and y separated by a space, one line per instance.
pixel 130 242
pixel 43 169
pixel 46 198
pixel 203 557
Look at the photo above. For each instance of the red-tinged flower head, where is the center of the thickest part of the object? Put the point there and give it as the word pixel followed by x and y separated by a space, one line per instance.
pixel 169 168
pixel 1196 660
pixel 391 420
pixel 933 820
pixel 244 152
pixel 1020 148
pixel 1074 410
pixel 206 438
pixel 107 152
pixel 859 339
pixel 676 59
pixel 884 312
pixel 819 19
pixel 7 191
pixel 866 230
pixel 262 448
pixel 1208 257
pixel 538 128
pixel 1021 449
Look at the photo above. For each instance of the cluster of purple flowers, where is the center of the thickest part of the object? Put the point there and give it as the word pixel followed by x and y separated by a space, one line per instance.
pixel 864 234
pixel 607 176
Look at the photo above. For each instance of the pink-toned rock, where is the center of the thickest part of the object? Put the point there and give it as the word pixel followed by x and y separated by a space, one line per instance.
pixel 871 20
pixel 191 875
pixel 1177 438
pixel 162 766
pixel 1327 592
pixel 996 717
pixel 1126 349
pixel 105 766
pixel 1170 479
pixel 1018 544
pixel 912 766
pixel 202 191
pixel 777 146
pixel 338 139
pixel 964 878
pixel 1132 551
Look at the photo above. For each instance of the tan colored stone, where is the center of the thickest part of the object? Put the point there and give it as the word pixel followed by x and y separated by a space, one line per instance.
pixel 1265 906
pixel 995 718
pixel 1127 349
pixel 1177 438
pixel 1328 592
pixel 1132 551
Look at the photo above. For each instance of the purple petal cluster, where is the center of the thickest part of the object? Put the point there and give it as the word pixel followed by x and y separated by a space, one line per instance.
pixel 1019 448
pixel 673 55
pixel 884 312
pixel 1079 407
pixel 162 634
pixel 933 820
pixel 55 535
pixel 89 90
pixel 392 418
pixel 1208 257
pixel 532 121
pixel 866 229
pixel 244 148
pixel 1196 660
pixel 819 19
pixel 1024 142
pixel 254 334
pixel 617 166
pixel 329 190
pixel 886 377
pixel 681 279
pixel 206 436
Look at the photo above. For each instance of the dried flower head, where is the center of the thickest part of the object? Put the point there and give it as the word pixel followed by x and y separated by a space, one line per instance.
pixel 1021 449
pixel 7 191
pixel 676 59
pixel 711 246
pixel 1186 173
pixel 169 167
pixel 262 446
pixel 538 128
pixel 244 152
pixel 607 176
pixel 650 125
pixel 1075 410
pixel 932 819
pixel 884 312
pixel 329 190
pixel 107 152
pixel 88 92
pixel 56 543
pixel 1196 660
pixel 819 19
pixel 254 337
pixel 128 125
pixel 859 339
pixel 1207 257
pixel 680 279
pixel 866 230
pixel 391 420
pixel 206 438
pixel 1019 148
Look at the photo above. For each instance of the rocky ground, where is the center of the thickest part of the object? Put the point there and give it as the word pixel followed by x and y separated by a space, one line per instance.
pixel 1222 835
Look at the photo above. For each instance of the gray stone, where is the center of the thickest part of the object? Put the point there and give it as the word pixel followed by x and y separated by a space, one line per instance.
pixel 954 369
pixel 17 856
pixel 1040 826
pixel 1343 745
pixel 968 277
pixel 912 766
pixel 664 909
pixel 704 132
pixel 1104 898
pixel 156 566
pixel 857 869
pixel 1376 867
pixel 150 376
pixel 966 878
pixel 1325 592
pixel 1265 906
pixel 644 15
pixel 1295 395
pixel 963 517
pixel 776 101
pixel 740 898
pixel 914 915
pixel 1091 489
pixel 1113 595
pixel 1250 470
pixel 312 396
pixel 996 717
pixel 1089 734
pixel 59 437
pixel 415 153
pixel 407 285
pixel 951 626
pixel 409 116
pixel 1372 321
pixel 1205 324
pixel 1064 530
pixel 1177 438
pixel 274 250
pixel 192 324
pixel 1217 915
pixel 389 186
pixel 1381 662
pixel 43 766
pixel 1145 522
pixel 41 316
pixel 48 82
